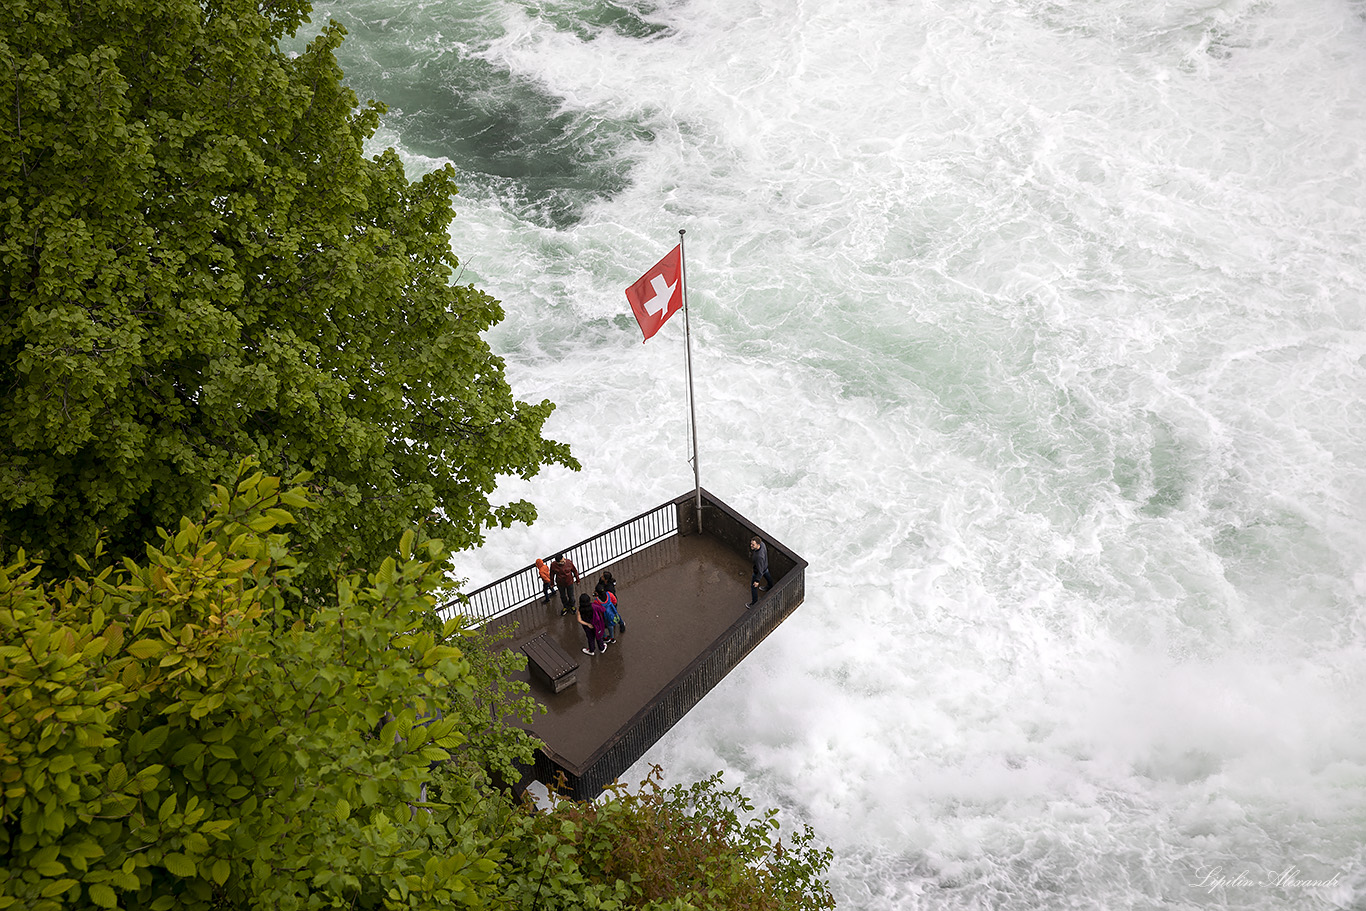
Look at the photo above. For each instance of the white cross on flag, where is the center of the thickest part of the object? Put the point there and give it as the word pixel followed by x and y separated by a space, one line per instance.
pixel 658 294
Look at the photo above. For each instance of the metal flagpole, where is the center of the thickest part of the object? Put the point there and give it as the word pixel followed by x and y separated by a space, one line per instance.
pixel 692 399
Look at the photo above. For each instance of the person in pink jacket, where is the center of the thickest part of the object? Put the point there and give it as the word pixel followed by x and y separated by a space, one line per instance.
pixel 594 624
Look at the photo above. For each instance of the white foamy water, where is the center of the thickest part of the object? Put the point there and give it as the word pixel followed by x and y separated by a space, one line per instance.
pixel 1038 329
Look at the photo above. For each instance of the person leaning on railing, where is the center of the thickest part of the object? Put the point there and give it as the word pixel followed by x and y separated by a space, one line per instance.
pixel 547 586
pixel 759 555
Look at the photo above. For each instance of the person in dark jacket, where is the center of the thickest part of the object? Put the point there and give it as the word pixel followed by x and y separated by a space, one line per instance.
pixel 566 575
pixel 593 623
pixel 759 557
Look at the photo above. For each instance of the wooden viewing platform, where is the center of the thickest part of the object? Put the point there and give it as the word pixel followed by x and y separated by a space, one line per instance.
pixel 683 597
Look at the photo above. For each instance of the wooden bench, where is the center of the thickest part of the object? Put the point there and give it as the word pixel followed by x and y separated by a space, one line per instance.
pixel 550 663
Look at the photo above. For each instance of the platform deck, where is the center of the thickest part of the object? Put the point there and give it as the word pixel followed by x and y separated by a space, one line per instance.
pixel 678 598
pixel 684 600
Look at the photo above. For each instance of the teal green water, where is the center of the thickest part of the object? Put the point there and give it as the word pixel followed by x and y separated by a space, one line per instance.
pixel 1038 328
pixel 503 131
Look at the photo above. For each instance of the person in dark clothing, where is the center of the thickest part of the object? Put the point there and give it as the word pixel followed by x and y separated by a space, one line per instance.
pixel 611 619
pixel 609 582
pixel 759 557
pixel 591 619
pixel 566 574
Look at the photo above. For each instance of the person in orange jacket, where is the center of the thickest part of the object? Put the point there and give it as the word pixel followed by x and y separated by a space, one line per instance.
pixel 547 587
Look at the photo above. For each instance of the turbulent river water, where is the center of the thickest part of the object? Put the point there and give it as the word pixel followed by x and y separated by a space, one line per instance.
pixel 1038 328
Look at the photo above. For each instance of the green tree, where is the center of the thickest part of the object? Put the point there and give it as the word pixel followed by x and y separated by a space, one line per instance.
pixel 688 846
pixel 199 264
pixel 175 737
pixel 176 733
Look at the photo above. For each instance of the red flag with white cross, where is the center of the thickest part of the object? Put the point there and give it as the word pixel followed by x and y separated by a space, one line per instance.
pixel 658 294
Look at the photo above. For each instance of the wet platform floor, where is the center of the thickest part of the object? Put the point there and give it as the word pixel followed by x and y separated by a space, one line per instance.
pixel 679 599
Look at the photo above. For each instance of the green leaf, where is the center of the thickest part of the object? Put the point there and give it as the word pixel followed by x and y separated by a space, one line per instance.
pixel 180 865
pixel 167 808
pixel 146 648
pixel 56 887
pixel 103 896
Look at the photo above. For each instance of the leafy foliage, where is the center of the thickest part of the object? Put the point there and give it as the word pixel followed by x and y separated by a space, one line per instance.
pixel 198 264
pixel 177 733
pixel 688 846
pixel 169 742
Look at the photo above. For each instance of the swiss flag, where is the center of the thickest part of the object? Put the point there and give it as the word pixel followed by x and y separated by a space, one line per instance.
pixel 658 294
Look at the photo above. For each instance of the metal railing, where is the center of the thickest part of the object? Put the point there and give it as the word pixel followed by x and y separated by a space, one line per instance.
pixel 524 585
